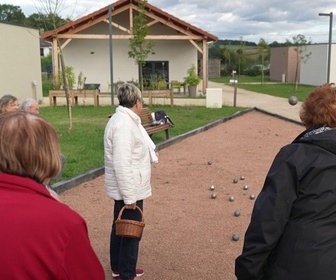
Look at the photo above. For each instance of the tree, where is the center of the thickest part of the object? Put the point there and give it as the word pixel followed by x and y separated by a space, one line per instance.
pixel 299 41
pixel 240 53
pixel 45 22
pixel 263 49
pixel 53 9
pixel 140 48
pixel 12 14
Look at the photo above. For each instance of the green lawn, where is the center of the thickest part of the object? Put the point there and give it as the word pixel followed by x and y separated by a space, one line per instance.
pixel 83 146
pixel 284 90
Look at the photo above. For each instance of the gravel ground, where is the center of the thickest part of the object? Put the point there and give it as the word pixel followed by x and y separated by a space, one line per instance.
pixel 188 235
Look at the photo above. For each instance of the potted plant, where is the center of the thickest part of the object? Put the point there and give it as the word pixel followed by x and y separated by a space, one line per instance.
pixel 192 80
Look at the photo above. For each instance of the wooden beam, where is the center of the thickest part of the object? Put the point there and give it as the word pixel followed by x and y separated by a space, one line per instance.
pixel 119 27
pixel 204 67
pixel 152 22
pixel 148 37
pixel 131 17
pixel 196 46
pixel 65 43
pixel 165 22
pixel 55 62
pixel 88 24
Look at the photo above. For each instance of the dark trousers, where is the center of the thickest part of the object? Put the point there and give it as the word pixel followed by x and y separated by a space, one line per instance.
pixel 124 251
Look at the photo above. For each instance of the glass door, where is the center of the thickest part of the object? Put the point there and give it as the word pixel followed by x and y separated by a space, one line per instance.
pixel 154 72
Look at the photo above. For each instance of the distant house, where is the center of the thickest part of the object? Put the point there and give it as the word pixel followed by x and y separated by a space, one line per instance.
pixel 283 64
pixel 45 48
pixel 20 68
pixel 312 69
pixel 85 45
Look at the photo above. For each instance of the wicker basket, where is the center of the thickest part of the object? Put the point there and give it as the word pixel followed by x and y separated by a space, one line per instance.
pixel 129 228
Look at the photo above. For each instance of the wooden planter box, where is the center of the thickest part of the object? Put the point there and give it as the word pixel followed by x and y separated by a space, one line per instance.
pixel 74 94
pixel 168 93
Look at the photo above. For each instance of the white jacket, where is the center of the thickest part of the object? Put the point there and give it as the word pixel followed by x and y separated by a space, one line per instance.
pixel 127 160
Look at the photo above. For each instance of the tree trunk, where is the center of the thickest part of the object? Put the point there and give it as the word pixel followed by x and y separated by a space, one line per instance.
pixel 66 85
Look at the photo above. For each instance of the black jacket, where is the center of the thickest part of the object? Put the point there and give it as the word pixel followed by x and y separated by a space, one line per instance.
pixel 292 234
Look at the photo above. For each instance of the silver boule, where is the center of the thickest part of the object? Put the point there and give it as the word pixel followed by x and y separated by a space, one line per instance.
pixel 235 237
pixel 213 195
pixel 236 213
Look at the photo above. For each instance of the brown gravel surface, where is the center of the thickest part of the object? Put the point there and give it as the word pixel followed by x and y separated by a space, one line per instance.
pixel 188 235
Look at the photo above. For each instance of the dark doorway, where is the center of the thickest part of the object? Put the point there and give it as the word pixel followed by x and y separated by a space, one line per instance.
pixel 154 71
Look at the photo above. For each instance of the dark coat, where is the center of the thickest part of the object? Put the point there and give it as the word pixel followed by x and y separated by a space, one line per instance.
pixel 292 234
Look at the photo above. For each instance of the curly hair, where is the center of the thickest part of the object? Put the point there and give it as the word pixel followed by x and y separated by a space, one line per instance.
pixel 319 107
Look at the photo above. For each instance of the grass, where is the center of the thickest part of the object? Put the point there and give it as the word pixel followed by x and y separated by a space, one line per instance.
pixel 46 86
pixel 83 146
pixel 241 80
pixel 284 90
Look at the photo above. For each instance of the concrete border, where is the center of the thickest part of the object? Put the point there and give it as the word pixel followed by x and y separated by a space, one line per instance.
pixel 72 182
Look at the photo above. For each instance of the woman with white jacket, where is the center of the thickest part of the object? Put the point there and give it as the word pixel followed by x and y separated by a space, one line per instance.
pixel 128 152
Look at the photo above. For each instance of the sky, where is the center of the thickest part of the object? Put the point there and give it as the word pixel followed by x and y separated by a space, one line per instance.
pixel 249 20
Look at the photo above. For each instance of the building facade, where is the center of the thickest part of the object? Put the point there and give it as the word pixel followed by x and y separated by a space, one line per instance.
pixel 20 68
pixel 86 45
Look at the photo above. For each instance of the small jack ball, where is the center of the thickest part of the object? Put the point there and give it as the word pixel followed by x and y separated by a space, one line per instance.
pixel 292 100
pixel 245 187
pixel 252 196
pixel 213 195
pixel 235 237
pixel 231 198
pixel 235 180
pixel 242 177
pixel 236 213
pixel 212 187
pixel 209 162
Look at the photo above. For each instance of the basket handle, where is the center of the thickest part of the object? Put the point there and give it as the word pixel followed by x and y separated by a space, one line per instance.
pixel 124 207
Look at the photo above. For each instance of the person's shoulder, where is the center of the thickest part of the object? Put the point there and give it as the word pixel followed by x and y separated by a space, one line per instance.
pixel 62 213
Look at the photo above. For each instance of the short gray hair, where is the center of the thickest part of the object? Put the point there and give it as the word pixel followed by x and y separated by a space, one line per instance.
pixel 128 94
pixel 27 103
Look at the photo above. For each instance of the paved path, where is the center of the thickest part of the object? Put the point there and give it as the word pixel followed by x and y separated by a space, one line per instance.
pixel 245 98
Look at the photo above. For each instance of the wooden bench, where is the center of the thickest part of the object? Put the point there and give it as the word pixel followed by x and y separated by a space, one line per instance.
pixel 85 93
pixel 167 93
pixel 74 94
pixel 147 122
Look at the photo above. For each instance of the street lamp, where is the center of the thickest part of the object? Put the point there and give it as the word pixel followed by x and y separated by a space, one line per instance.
pixel 330 35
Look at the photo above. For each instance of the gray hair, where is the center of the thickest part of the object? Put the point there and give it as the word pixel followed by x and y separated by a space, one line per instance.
pixel 128 94
pixel 27 103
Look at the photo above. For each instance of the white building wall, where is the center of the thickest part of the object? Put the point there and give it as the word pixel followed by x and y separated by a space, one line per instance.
pixel 20 68
pixel 332 64
pixel 91 57
pixel 314 68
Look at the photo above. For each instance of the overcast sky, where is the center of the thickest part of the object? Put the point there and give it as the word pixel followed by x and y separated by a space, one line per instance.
pixel 248 19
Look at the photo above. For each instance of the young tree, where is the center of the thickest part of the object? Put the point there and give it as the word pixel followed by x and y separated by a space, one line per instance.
pixel 240 53
pixel 140 48
pixel 53 9
pixel 263 49
pixel 299 42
